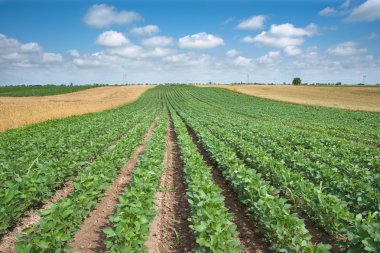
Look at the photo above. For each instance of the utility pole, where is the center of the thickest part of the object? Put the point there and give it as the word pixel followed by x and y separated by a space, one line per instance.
pixel 364 77
pixel 247 78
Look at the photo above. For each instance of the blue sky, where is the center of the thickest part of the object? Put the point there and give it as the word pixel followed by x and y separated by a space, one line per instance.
pixel 189 41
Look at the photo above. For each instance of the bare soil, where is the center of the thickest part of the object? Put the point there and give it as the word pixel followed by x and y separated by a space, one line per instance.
pixel 90 236
pixel 251 240
pixel 170 231
pixel 352 98
pixel 31 219
pixel 19 111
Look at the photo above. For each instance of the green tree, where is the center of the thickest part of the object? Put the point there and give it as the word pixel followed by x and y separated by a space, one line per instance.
pixel 296 81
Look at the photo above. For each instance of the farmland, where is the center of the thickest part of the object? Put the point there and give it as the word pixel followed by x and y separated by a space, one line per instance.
pixel 19 111
pixel 32 91
pixel 359 98
pixel 185 169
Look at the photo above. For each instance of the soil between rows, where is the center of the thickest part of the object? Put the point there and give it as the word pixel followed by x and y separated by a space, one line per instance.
pixel 170 231
pixel 251 240
pixel 90 236
pixel 31 219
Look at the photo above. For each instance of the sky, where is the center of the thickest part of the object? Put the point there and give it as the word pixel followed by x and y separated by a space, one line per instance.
pixel 141 41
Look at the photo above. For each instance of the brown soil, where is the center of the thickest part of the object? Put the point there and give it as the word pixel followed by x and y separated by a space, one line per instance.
pixel 352 98
pixel 170 231
pixel 90 237
pixel 20 111
pixel 252 241
pixel 7 242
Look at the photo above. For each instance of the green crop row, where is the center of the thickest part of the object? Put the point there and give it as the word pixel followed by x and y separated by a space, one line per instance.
pixel 284 230
pixel 59 223
pixel 328 211
pixel 211 221
pixel 35 186
pixel 135 211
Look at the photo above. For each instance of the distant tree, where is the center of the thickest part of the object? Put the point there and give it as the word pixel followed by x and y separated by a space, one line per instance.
pixel 338 83
pixel 296 81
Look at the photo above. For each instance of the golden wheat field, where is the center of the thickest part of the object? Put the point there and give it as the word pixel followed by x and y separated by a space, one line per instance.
pixel 20 111
pixel 352 98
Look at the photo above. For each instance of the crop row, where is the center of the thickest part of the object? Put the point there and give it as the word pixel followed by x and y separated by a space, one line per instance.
pixel 327 210
pixel 211 222
pixel 62 220
pixel 34 187
pixel 130 223
pixel 284 229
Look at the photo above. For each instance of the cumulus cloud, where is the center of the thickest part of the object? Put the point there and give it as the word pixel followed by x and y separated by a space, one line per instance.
pixel 242 61
pixel 73 53
pixel 157 41
pixel 31 47
pixel 111 39
pixel 200 41
pixel 51 57
pixel 102 15
pixel 347 48
pixel 285 36
pixel 252 23
pixel 148 30
pixel 188 59
pixel 268 58
pixel 24 55
pixel 368 11
pixel 232 53
pixel 329 11
pixel 291 50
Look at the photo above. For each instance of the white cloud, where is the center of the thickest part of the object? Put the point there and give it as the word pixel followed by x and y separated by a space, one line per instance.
pixel 130 51
pixel 157 41
pixel 145 30
pixel 269 57
pixel 111 39
pixel 252 23
pixel 288 30
pixel 73 53
pixel 273 41
pixel 285 36
pixel 14 54
pixel 51 57
pixel 31 47
pixel 200 41
pixel 159 52
pixel 368 11
pixel 343 9
pixel 188 59
pixel 232 53
pixel 328 12
pixel 102 15
pixel 347 48
pixel 291 50
pixel 242 61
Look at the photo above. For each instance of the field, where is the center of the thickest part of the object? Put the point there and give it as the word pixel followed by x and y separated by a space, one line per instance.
pixel 32 91
pixel 20 111
pixel 352 98
pixel 189 169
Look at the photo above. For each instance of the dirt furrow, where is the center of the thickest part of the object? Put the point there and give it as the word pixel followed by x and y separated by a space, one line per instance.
pixel 90 236
pixel 31 219
pixel 251 240
pixel 170 231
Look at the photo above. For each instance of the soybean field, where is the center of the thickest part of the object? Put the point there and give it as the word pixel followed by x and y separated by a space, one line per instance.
pixel 189 169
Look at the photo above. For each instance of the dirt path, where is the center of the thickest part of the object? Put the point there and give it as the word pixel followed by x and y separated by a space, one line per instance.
pixel 7 242
pixel 90 237
pixel 252 241
pixel 352 98
pixel 19 111
pixel 170 230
